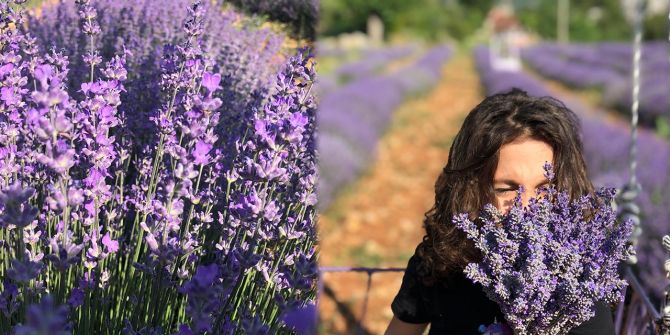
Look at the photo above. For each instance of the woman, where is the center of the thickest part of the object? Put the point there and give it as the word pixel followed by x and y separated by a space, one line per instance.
pixel 502 145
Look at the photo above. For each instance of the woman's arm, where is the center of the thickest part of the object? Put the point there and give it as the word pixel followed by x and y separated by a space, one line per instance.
pixel 397 327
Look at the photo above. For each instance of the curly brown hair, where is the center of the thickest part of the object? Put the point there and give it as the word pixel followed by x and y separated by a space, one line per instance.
pixel 466 182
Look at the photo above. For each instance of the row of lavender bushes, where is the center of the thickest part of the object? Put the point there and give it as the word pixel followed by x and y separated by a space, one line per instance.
pixel 353 117
pixel 371 62
pixel 608 66
pixel 157 171
pixel 606 152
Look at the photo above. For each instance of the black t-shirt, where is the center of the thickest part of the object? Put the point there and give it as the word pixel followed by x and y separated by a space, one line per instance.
pixel 460 307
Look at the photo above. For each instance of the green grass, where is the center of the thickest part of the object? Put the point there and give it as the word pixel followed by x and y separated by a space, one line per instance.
pixel 362 256
pixel 33 3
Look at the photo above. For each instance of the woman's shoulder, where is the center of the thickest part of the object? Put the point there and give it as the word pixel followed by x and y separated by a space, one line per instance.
pixel 421 274
pixel 437 291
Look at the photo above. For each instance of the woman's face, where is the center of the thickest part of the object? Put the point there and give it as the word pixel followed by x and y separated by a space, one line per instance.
pixel 520 164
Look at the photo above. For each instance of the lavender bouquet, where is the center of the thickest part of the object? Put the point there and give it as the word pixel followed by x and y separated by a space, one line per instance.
pixel 203 227
pixel 547 264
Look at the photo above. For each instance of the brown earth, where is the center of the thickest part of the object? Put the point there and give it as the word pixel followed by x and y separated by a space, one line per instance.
pixel 378 221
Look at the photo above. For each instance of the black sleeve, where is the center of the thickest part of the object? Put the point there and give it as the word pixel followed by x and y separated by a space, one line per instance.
pixel 409 304
pixel 601 323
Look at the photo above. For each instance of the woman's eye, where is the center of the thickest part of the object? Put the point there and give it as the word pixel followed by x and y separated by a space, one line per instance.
pixel 503 190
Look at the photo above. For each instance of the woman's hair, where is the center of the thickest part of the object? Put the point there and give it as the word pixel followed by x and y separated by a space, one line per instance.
pixel 466 182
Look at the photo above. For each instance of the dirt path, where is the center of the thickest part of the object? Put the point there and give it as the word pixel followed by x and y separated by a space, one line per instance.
pixel 378 221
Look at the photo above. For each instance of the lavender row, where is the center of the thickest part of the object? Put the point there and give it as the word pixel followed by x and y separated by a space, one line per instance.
pixel 373 61
pixel 608 66
pixel 138 194
pixel 606 153
pixel 353 118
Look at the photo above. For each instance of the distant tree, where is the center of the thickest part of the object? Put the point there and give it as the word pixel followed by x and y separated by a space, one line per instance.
pixel 300 15
pixel 540 17
pixel 431 19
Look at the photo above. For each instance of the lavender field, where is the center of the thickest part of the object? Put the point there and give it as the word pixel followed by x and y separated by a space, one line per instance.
pixel 607 67
pixel 353 116
pixel 157 171
pixel 200 167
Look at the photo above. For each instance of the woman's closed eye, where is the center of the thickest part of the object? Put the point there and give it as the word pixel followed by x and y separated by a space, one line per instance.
pixel 504 190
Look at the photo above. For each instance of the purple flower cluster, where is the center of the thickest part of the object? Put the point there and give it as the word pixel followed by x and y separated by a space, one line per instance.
pixel 608 66
pixel 353 117
pixel 606 154
pixel 546 264
pixel 153 180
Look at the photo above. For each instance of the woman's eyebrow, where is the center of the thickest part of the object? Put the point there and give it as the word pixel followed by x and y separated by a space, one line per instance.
pixel 505 181
pixel 514 183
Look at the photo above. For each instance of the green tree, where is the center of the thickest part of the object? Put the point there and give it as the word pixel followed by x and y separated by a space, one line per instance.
pixel 430 19
pixel 540 17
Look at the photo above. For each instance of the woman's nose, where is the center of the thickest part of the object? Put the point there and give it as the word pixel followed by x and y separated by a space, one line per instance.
pixel 524 198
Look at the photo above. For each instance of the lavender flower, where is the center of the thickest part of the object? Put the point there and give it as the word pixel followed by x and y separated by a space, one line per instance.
pixel 203 297
pixel 45 317
pixel 16 210
pixel 301 319
pixel 547 264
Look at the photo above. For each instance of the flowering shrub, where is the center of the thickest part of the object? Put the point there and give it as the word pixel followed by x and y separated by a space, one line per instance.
pixel 547 264
pixel 204 225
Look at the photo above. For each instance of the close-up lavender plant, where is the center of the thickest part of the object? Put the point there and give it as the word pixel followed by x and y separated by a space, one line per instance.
pixel 205 225
pixel 547 264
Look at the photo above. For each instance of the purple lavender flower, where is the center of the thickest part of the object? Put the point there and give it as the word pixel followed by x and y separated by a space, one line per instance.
pixel 211 81
pixel 24 271
pixel 111 245
pixel 9 298
pixel 76 298
pixel 15 207
pixel 45 317
pixel 203 300
pixel 200 154
pixel 301 319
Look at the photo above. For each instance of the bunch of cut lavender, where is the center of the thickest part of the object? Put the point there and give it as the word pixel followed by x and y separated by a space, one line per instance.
pixel 195 232
pixel 547 264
